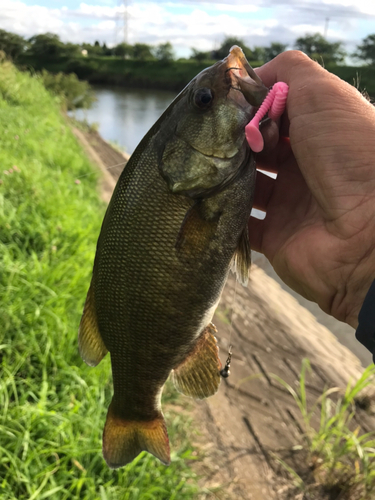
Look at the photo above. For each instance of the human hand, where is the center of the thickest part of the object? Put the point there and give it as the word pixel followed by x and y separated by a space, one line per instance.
pixel 319 230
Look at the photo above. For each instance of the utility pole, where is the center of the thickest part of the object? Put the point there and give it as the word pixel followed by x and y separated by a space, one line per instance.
pixel 326 27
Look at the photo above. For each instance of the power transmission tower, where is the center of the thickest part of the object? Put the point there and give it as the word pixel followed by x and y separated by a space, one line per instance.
pixel 326 27
pixel 122 21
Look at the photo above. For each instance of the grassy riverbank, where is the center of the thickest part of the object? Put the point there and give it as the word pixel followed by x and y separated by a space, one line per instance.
pixel 168 75
pixel 53 406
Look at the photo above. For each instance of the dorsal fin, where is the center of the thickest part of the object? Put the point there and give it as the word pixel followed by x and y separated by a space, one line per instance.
pixel 241 261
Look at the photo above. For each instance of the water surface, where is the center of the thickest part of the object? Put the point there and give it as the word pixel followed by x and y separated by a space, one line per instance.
pixel 125 115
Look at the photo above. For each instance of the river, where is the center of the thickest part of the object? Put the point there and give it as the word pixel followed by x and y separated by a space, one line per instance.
pixel 125 115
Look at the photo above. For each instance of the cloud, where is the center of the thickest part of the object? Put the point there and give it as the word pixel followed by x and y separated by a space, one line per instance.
pixel 190 23
pixel 237 8
pixel 29 20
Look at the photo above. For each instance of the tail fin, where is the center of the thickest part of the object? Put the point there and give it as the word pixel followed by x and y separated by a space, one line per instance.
pixel 123 440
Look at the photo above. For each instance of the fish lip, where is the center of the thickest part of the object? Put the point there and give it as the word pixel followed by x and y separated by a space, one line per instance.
pixel 236 56
pixel 243 77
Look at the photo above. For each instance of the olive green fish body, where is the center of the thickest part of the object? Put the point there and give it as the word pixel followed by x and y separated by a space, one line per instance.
pixel 177 217
pixel 152 306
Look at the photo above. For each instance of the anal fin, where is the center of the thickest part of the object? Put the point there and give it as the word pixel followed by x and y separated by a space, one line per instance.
pixel 123 440
pixel 199 375
pixel 90 342
pixel 241 261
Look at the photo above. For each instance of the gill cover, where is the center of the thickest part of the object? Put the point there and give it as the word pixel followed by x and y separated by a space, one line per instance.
pixel 208 146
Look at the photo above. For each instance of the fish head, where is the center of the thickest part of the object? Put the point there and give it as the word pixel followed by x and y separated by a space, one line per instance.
pixel 207 145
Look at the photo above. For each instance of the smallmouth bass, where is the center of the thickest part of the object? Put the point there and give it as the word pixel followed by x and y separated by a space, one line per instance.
pixel 176 222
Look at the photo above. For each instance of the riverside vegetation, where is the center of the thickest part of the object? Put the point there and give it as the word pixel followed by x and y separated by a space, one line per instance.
pixel 143 65
pixel 52 405
pixel 167 75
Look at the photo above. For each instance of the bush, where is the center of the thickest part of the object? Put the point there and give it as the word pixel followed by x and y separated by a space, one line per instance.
pixel 74 93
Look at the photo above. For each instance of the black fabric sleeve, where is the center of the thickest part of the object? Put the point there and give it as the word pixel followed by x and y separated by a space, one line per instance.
pixel 366 322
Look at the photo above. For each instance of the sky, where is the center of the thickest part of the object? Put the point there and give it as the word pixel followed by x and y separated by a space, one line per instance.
pixel 191 23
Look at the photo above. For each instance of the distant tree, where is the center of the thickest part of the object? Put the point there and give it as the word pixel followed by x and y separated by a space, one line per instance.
pixel 13 45
pixel 317 47
pixel 106 51
pixel 258 54
pixel 49 46
pixel 223 50
pixel 46 45
pixel 71 49
pixel 142 51
pixel 92 49
pixel 199 56
pixel 366 51
pixel 273 50
pixel 164 52
pixel 123 50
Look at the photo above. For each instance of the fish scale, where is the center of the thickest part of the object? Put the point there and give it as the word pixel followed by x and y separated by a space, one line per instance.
pixel 177 218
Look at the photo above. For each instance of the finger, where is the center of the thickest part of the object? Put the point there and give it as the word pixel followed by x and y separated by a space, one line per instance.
pixel 292 67
pixel 263 191
pixel 270 133
pixel 284 125
pixel 270 160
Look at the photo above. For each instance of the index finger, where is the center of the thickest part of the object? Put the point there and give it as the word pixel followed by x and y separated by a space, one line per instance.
pixel 292 67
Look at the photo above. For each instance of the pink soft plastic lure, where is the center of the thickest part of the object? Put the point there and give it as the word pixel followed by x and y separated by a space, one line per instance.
pixel 274 104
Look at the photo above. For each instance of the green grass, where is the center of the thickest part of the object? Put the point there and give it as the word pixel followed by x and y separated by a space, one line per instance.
pixel 52 406
pixel 341 457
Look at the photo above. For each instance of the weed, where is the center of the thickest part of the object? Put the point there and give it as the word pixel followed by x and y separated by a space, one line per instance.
pixel 341 458
pixel 74 93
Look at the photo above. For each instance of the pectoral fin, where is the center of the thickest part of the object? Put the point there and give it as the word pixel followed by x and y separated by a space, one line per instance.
pixel 199 375
pixel 90 342
pixel 195 232
pixel 241 261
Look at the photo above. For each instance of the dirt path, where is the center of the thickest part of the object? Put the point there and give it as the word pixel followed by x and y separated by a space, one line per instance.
pixel 110 161
pixel 253 416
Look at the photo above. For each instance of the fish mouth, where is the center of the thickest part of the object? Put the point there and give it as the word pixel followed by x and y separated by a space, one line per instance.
pixel 244 80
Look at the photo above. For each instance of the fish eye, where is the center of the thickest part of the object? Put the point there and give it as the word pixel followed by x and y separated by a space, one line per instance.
pixel 203 97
